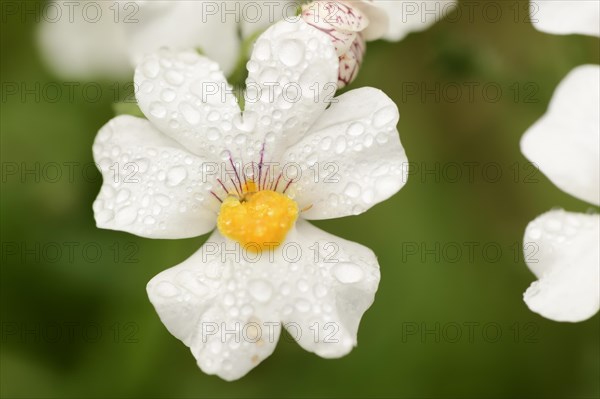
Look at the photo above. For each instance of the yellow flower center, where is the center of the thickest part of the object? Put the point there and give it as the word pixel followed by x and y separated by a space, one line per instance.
pixel 258 220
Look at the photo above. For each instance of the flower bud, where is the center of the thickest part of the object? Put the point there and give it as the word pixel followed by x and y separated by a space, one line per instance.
pixel 344 24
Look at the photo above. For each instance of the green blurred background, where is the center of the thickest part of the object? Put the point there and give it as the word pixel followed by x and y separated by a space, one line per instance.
pixel 77 322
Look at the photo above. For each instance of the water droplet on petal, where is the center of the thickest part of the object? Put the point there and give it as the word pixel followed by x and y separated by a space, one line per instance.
pixel 352 190
pixel 189 113
pixel 176 175
pixel 356 129
pixel 151 68
pixel 262 50
pixel 163 200
pixel 384 116
pixel 123 195
pixel 158 110
pixel 534 233
pixel 173 77
pixel 126 216
pixel 168 95
pixel 303 305
pixel 347 273
pixel 291 52
pixel 166 290
pixel 213 134
pixel 260 290
pixel 340 145
pixel 386 186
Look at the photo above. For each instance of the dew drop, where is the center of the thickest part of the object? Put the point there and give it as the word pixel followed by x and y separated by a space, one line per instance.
pixel 166 290
pixel 352 190
pixel 302 285
pixel 151 68
pixel 347 273
pixel 320 290
pixel 355 129
pixel 168 95
pixel 534 233
pixel 123 195
pixel 291 52
pixel 126 216
pixel 262 50
pixel 189 113
pixel 325 143
pixel 173 77
pixel 213 134
pixel 553 225
pixel 386 186
pixel 303 305
pixel 176 175
pixel 229 300
pixel 384 116
pixel 260 290
pixel 213 116
pixel 340 145
pixel 158 110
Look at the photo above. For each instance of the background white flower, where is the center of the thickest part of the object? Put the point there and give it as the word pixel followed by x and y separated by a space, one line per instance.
pixel 562 17
pixel 108 38
pixel 407 16
pixel 194 123
pixel 351 23
pixel 80 45
pixel 565 145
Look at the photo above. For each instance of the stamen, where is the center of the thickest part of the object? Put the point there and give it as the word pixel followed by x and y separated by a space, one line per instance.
pixel 236 173
pixel 216 196
pixel 222 185
pixel 236 189
pixel 287 186
pixel 277 182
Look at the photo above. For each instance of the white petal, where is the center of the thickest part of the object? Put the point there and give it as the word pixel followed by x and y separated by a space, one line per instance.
pixel 230 346
pixel 563 251
pixel 352 159
pixel 182 25
pixel 313 277
pixel 258 15
pixel 196 300
pixel 196 303
pixel 185 95
pixel 379 20
pixel 410 16
pixel 83 48
pixel 565 142
pixel 292 77
pixel 563 17
pixel 335 283
pixel 146 181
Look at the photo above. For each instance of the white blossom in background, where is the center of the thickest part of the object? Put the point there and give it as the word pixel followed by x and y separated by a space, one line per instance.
pixel 352 23
pixel 562 248
pixel 563 17
pixel 201 162
pixel 108 38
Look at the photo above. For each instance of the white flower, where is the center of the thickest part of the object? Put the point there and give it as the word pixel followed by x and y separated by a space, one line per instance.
pixel 562 17
pixel 406 16
pixel 351 23
pixel 108 38
pixel 173 185
pixel 562 248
